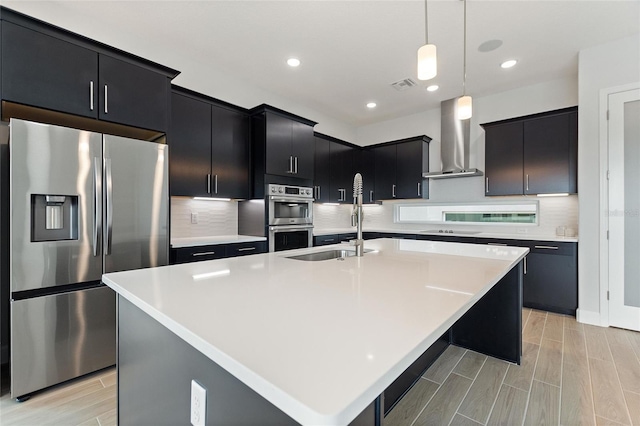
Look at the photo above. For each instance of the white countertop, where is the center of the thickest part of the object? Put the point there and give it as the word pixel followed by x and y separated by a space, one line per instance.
pixel 526 237
pixel 209 241
pixel 319 340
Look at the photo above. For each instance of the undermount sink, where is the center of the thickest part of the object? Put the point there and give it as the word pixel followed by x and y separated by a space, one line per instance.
pixel 325 255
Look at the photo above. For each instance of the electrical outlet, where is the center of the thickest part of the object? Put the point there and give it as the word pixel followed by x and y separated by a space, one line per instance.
pixel 194 217
pixel 522 230
pixel 198 404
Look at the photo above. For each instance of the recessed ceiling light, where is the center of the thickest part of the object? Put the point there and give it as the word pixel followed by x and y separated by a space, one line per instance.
pixel 293 62
pixel 509 63
pixel 371 105
pixel 433 88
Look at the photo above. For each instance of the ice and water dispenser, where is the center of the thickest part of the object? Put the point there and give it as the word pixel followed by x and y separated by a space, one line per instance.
pixel 54 217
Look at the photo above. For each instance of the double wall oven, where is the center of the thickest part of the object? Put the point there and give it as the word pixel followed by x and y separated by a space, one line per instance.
pixel 290 217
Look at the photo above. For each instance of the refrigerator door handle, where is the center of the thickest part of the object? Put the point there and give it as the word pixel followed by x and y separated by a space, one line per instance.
pixel 109 214
pixel 97 206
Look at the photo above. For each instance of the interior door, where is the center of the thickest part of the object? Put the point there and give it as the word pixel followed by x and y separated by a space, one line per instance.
pixel 136 206
pixel 624 209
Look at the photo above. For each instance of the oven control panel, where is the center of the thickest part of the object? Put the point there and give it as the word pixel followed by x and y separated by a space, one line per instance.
pixel 291 191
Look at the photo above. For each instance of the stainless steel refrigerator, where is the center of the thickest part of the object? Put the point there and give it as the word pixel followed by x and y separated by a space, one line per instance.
pixel 82 204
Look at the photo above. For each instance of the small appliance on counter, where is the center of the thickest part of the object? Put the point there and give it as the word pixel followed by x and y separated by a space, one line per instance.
pixel 82 204
pixel 285 217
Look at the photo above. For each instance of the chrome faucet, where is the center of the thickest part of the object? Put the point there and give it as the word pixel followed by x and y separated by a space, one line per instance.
pixel 357 214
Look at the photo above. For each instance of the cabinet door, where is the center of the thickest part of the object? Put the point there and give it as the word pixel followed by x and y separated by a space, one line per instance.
pixel 278 145
pixel 385 170
pixel 547 153
pixel 132 95
pixel 244 249
pixel 229 153
pixel 322 170
pixel 189 146
pixel 43 71
pixel 409 167
pixel 341 178
pixel 503 159
pixel 303 149
pixel 551 282
pixel 364 163
pixel 198 254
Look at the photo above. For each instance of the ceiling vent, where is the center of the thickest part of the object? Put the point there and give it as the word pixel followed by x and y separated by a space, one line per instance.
pixel 405 84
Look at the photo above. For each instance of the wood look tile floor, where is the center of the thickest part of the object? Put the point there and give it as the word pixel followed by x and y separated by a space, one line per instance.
pixel 571 374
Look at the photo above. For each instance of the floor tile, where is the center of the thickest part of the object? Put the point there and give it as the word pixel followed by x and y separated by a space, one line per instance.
pixel 574 346
pixel 597 344
pixel 440 369
pixel 549 365
pixel 470 364
pixel 520 376
pixel 482 394
pixel 628 367
pixel 460 420
pixel 633 404
pixel 532 332
pixel 406 411
pixel 544 404
pixel 509 407
pixel 110 418
pixel 608 399
pixel 554 327
pixel 576 402
pixel 445 402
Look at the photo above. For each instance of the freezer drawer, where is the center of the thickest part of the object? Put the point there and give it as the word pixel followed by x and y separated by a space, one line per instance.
pixel 59 337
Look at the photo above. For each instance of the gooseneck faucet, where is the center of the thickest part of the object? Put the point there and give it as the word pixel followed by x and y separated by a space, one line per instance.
pixel 357 214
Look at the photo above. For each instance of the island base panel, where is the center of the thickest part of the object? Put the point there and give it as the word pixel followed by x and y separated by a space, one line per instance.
pixel 493 326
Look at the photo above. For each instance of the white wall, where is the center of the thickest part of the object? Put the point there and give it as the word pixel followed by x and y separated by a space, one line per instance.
pixel 215 218
pixel 600 67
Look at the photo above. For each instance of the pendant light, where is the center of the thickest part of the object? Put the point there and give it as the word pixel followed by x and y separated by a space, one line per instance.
pixel 427 63
pixel 465 104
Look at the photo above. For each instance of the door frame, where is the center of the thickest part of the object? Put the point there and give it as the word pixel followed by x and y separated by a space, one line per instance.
pixel 604 196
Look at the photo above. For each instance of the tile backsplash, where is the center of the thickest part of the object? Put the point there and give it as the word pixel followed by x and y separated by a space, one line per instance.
pixel 215 218
pixel 554 212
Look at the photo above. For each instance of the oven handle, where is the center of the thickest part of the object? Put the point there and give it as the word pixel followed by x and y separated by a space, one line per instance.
pixel 291 200
pixel 290 227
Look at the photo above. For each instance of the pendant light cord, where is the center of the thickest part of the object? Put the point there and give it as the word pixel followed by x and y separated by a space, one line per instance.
pixel 464 53
pixel 426 23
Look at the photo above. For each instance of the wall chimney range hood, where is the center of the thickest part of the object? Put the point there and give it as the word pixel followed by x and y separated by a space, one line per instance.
pixel 454 145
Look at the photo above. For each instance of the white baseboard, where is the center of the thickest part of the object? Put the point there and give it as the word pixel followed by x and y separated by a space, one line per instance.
pixel 590 317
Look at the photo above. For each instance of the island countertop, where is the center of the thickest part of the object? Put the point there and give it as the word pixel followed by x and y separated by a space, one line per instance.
pixel 307 336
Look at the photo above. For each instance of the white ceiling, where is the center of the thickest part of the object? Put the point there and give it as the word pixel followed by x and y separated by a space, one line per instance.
pixel 350 50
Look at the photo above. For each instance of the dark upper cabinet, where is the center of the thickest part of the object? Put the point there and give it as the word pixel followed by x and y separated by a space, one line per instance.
pixel 53 69
pixel 503 159
pixel 322 171
pixel 209 147
pixel 229 153
pixel 283 142
pixel 364 163
pixel 399 167
pixel 132 95
pixel 412 160
pixel 550 153
pixel 43 71
pixel 189 146
pixel 536 154
pixel 385 172
pixel 333 180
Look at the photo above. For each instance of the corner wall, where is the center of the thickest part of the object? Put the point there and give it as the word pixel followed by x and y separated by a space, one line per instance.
pixel 601 67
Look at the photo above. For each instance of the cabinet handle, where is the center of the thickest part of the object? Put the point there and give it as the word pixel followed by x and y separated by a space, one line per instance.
pixel 419 195
pixel 330 239
pixel 204 253
pixel 525 265
pixel 371 196
pixel 546 247
pixel 486 185
pixel 527 182
pixel 106 99
pixel 318 196
pixel 496 244
pixel 208 184
pixel 246 249
pixel 215 184
pixel 290 164
pixel 393 191
pixel 91 94
pixel 295 164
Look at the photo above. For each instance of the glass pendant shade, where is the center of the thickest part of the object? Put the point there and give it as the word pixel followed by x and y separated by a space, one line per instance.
pixel 465 108
pixel 427 62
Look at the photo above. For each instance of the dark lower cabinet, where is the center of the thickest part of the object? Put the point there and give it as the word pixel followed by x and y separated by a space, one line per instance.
pixel 216 251
pixel 324 240
pixel 291 240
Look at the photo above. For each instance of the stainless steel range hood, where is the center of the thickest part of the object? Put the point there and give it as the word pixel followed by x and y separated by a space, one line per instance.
pixel 454 144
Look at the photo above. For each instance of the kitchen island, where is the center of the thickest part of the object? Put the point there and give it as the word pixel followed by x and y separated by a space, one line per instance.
pixel 277 340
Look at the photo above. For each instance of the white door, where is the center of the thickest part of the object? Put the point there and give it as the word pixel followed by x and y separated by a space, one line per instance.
pixel 624 209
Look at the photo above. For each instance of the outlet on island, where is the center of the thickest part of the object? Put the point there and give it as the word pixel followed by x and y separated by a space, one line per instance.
pixel 194 217
pixel 198 404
